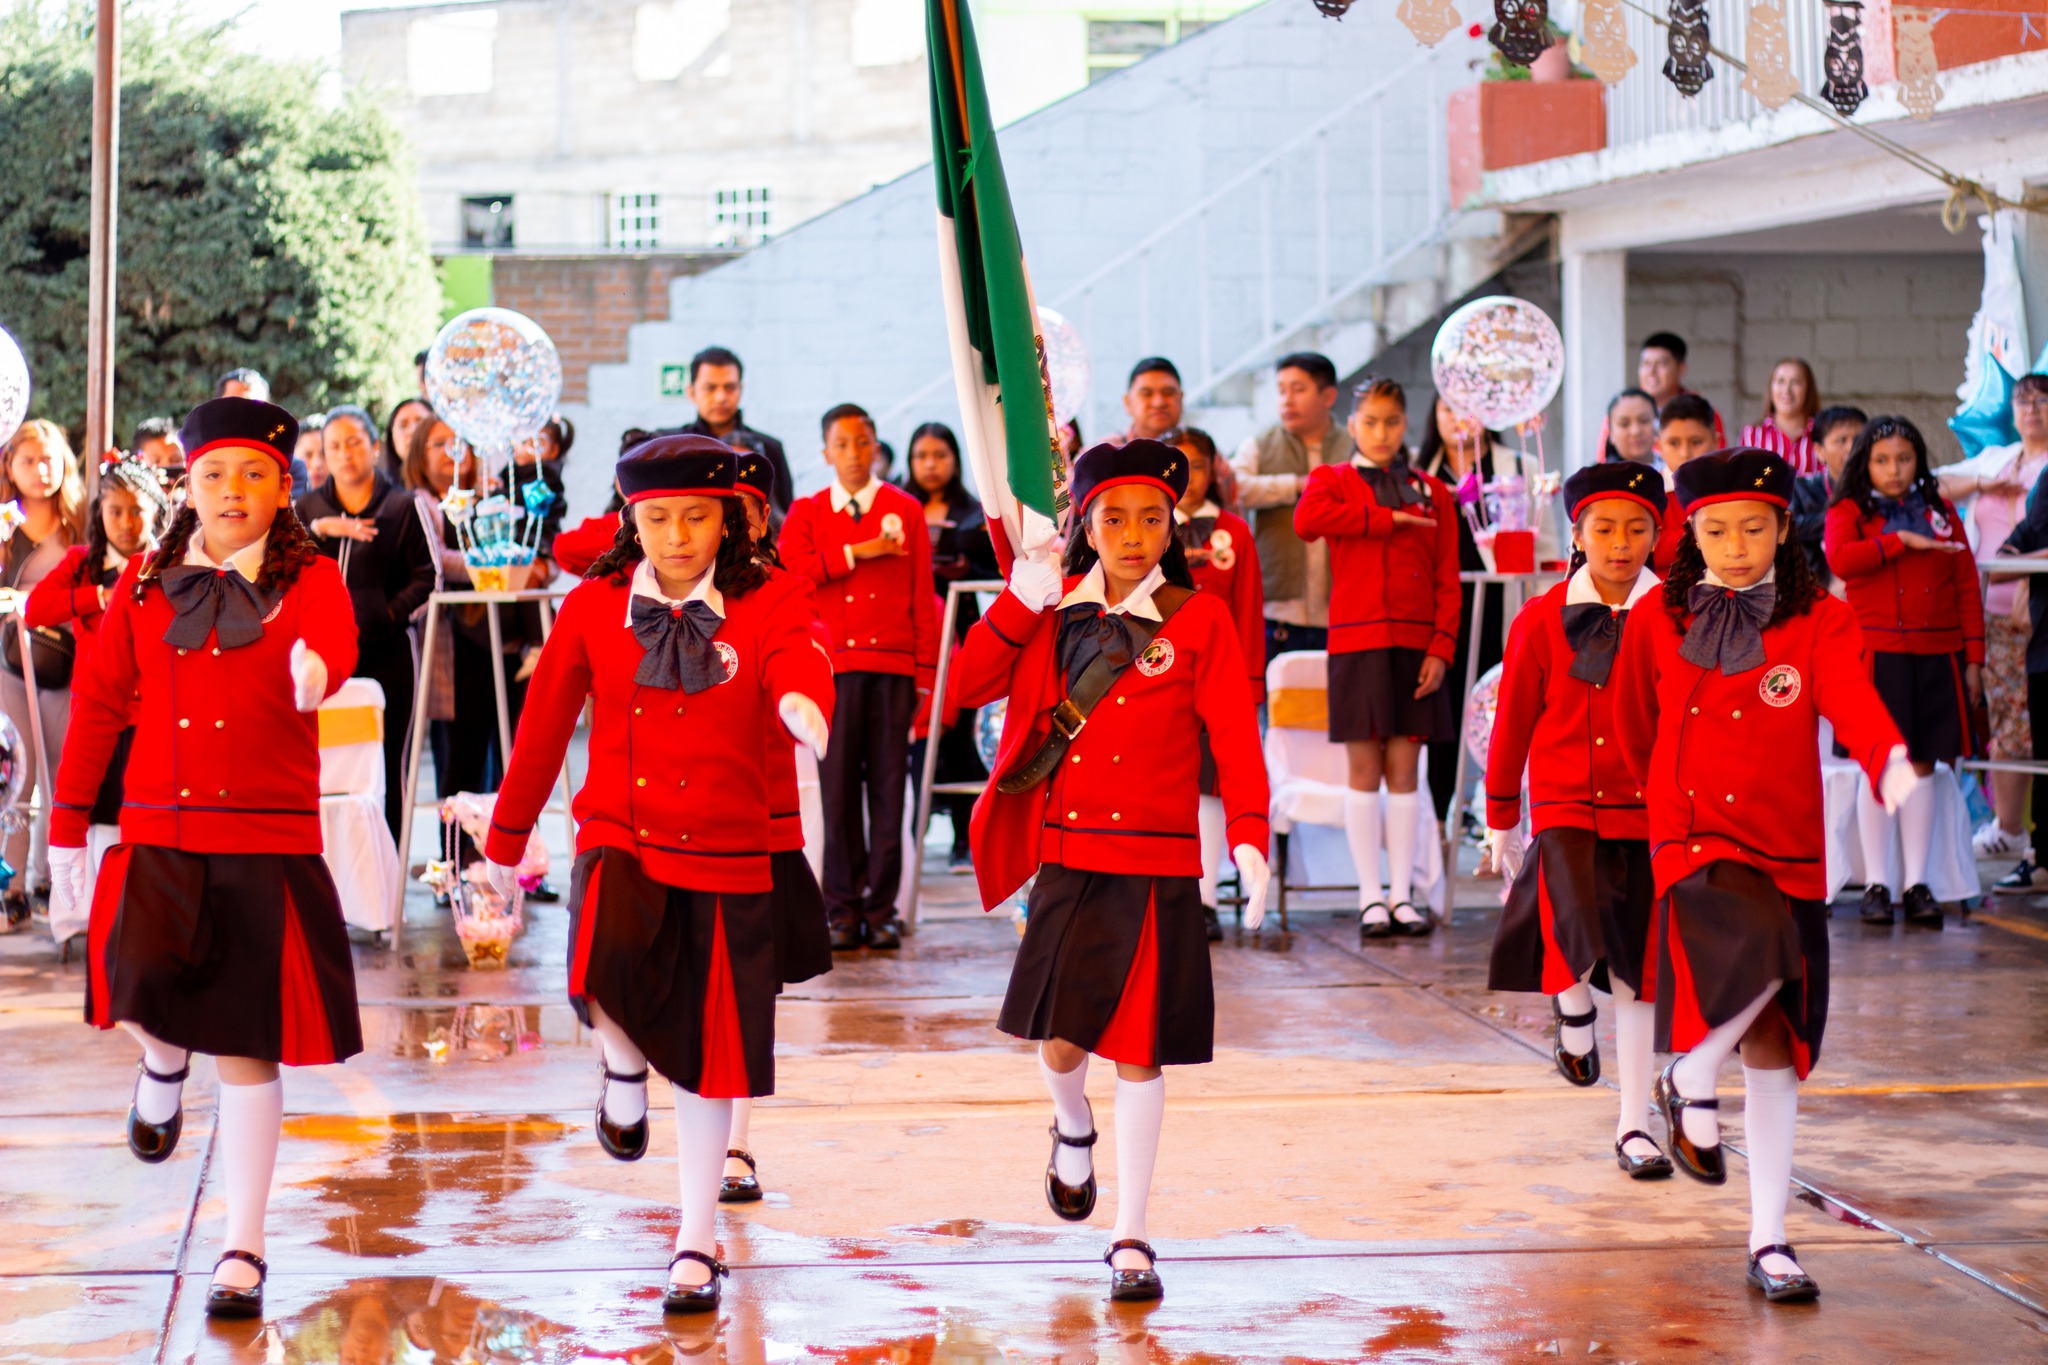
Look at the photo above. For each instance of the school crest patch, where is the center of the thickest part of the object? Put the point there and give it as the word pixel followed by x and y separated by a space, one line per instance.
pixel 728 656
pixel 1780 686
pixel 1221 553
pixel 1157 658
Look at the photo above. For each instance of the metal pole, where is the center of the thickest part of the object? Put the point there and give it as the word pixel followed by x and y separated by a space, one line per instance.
pixel 422 699
pixel 1462 775
pixel 498 682
pixel 106 155
pixel 564 783
pixel 931 758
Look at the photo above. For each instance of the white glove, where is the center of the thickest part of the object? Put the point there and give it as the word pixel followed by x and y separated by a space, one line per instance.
pixel 1036 583
pixel 805 721
pixel 1254 875
pixel 1506 847
pixel 309 677
pixel 1897 781
pixel 70 870
pixel 504 879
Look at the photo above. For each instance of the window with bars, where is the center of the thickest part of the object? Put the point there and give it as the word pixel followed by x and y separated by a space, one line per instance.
pixel 741 215
pixel 636 221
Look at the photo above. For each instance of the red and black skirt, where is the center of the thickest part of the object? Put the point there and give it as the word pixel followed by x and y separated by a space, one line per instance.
pixel 803 939
pixel 230 954
pixel 691 976
pixel 1580 904
pixel 1116 963
pixel 1722 935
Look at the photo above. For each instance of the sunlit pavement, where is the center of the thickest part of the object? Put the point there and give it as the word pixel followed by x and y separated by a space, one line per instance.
pixel 1381 1164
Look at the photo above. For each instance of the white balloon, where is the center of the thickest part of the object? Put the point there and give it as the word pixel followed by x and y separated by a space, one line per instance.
pixel 1498 360
pixel 494 376
pixel 1066 364
pixel 14 386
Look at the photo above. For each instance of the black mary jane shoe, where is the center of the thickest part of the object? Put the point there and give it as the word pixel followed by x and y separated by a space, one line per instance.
pixel 740 1189
pixel 1923 911
pixel 1877 905
pixel 621 1141
pixel 1656 1167
pixel 1374 928
pixel 1798 1287
pixel 1579 1070
pixel 1420 927
pixel 1133 1286
pixel 694 1298
pixel 1071 1202
pixel 226 1301
pixel 846 937
pixel 154 1142
pixel 1705 1164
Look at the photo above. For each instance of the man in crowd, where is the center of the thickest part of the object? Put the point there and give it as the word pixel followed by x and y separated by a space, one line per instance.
pixel 715 382
pixel 1272 468
pixel 1660 372
pixel 1152 400
pixel 242 384
pixel 156 443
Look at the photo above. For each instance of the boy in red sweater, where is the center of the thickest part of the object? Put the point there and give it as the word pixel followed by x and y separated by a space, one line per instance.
pixel 855 541
pixel 1687 428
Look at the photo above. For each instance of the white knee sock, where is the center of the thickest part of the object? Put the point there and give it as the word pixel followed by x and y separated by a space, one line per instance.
pixel 1209 821
pixel 1403 808
pixel 1362 833
pixel 1916 833
pixel 249 1117
pixel 701 1129
pixel 1635 1027
pixel 1874 832
pixel 1770 1112
pixel 736 1136
pixel 624 1101
pixel 1140 1109
pixel 1578 1039
pixel 156 1101
pixel 1696 1071
pixel 1070 1111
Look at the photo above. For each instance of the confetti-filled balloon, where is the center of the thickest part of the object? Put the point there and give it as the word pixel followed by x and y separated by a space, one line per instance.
pixel 1498 360
pixel 1479 711
pixel 495 378
pixel 14 386
pixel 1066 363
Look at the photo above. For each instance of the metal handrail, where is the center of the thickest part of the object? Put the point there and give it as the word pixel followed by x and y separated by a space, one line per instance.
pixel 954 592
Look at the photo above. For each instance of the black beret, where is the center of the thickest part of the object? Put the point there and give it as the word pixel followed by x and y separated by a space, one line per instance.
pixel 221 422
pixel 1744 474
pixel 1614 479
pixel 1143 461
pixel 756 475
pixel 678 466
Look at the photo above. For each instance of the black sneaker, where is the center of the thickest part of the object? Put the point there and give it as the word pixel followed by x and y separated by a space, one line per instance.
pixel 961 860
pixel 1212 925
pixel 543 892
pixel 885 935
pixel 2024 878
pixel 1877 904
pixel 1921 908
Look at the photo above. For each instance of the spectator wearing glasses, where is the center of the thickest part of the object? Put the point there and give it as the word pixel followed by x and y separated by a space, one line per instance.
pixel 1996 491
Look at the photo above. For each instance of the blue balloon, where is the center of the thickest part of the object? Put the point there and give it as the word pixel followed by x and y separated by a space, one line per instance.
pixel 1986 419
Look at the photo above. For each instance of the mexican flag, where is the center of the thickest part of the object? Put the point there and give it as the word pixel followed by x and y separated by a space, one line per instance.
pixel 999 370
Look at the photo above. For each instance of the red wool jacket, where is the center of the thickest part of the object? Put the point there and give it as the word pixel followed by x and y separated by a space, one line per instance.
pixel 880 613
pixel 1124 797
pixel 59 599
pixel 680 781
pixel 1563 730
pixel 577 548
pixel 785 807
pixel 1669 532
pixel 223 761
pixel 1389 585
pixel 1907 601
pixel 1238 585
pixel 1732 765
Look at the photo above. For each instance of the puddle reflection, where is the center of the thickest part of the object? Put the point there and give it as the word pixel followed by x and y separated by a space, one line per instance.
pixel 475 1031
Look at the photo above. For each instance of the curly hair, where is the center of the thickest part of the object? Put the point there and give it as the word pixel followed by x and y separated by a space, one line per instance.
pixel 1798 589
pixel 735 571
pixel 285 555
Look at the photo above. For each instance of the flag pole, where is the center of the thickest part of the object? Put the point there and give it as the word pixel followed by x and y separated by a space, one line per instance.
pixel 106 156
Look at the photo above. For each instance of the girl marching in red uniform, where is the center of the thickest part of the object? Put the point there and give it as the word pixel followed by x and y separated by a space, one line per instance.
pixel 1578 913
pixel 1721 690
pixel 1222 559
pixel 1096 794
pixel 1904 560
pixel 1394 609
pixel 214 924
pixel 690 655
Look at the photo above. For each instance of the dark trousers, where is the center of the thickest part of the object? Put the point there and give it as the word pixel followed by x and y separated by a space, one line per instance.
pixel 1443 754
pixel 391 666
pixel 2037 711
pixel 865 774
pixel 1282 638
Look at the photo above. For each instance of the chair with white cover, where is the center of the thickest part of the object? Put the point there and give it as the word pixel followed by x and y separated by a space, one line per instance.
pixel 1310 776
pixel 361 855
pixel 1951 862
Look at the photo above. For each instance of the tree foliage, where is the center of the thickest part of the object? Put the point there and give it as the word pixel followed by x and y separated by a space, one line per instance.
pixel 256 226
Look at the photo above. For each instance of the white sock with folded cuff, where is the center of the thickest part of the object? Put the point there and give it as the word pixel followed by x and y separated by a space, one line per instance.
pixel 1140 1112
pixel 1770 1115
pixel 249 1120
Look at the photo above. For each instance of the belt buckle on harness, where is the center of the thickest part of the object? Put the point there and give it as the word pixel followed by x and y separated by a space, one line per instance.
pixel 1068 719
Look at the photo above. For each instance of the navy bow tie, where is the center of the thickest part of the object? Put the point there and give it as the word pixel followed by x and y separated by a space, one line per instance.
pixel 1396 486
pixel 1593 630
pixel 213 602
pixel 1909 513
pixel 1087 631
pixel 678 644
pixel 1195 532
pixel 1728 627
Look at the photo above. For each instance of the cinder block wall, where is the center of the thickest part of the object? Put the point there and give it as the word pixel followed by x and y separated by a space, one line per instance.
pixel 1882 332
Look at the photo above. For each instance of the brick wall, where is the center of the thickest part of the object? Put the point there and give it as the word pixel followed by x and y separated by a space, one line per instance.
pixel 586 303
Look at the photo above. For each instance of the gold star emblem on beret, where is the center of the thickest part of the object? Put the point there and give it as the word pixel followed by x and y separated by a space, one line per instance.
pixel 1171 466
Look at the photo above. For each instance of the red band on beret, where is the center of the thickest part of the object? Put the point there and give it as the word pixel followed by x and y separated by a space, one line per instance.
pixel 240 443
pixel 1652 508
pixel 758 494
pixel 647 494
pixel 1120 480
pixel 1743 495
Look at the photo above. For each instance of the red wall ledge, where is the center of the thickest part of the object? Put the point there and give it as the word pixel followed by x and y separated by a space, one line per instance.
pixel 1497 124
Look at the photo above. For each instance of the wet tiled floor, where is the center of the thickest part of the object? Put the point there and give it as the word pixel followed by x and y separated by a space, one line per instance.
pixel 1380 1164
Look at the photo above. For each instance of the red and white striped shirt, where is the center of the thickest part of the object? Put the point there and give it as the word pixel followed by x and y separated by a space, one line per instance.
pixel 1799 451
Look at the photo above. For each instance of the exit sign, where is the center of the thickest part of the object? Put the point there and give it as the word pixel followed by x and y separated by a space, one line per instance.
pixel 675 381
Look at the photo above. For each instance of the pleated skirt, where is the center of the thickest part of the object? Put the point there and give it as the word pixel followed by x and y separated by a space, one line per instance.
pixel 1580 904
pixel 803 939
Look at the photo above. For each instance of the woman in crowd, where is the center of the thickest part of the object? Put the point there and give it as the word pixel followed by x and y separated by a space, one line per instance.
pixel 399 427
pixel 371 527
pixel 436 462
pixel 961 549
pixel 1786 426
pixel 41 475
pixel 309 452
pixel 1631 427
